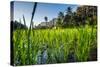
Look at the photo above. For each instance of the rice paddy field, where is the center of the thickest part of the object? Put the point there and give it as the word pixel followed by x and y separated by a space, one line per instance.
pixel 49 46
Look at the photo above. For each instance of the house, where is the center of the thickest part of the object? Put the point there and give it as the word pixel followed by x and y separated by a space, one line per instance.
pixel 49 24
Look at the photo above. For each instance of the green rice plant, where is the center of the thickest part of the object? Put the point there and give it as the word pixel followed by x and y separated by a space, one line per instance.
pixel 53 45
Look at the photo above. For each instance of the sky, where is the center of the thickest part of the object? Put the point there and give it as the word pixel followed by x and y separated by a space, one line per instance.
pixel 43 9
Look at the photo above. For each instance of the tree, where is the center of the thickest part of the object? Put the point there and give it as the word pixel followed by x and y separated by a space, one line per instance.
pixel 46 19
pixel 18 25
pixel 92 14
pixel 69 11
pixel 61 15
pixel 87 12
pixel 68 17
pixel 60 19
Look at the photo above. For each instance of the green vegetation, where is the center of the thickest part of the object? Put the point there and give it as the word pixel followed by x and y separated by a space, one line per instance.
pixel 72 39
pixel 58 44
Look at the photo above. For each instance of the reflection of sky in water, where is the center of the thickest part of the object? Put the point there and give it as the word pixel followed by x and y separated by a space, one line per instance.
pixel 42 10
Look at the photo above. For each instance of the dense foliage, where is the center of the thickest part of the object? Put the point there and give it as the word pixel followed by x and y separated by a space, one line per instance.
pixel 16 25
pixel 84 15
pixel 54 46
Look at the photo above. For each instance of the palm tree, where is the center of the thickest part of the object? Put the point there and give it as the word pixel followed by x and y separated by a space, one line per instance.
pixel 46 19
pixel 68 17
pixel 60 19
pixel 61 15
pixel 69 11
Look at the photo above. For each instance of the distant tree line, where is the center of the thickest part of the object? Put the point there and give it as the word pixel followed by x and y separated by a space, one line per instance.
pixel 17 25
pixel 83 15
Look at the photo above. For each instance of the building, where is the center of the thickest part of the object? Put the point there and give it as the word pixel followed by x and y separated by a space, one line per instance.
pixel 49 24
